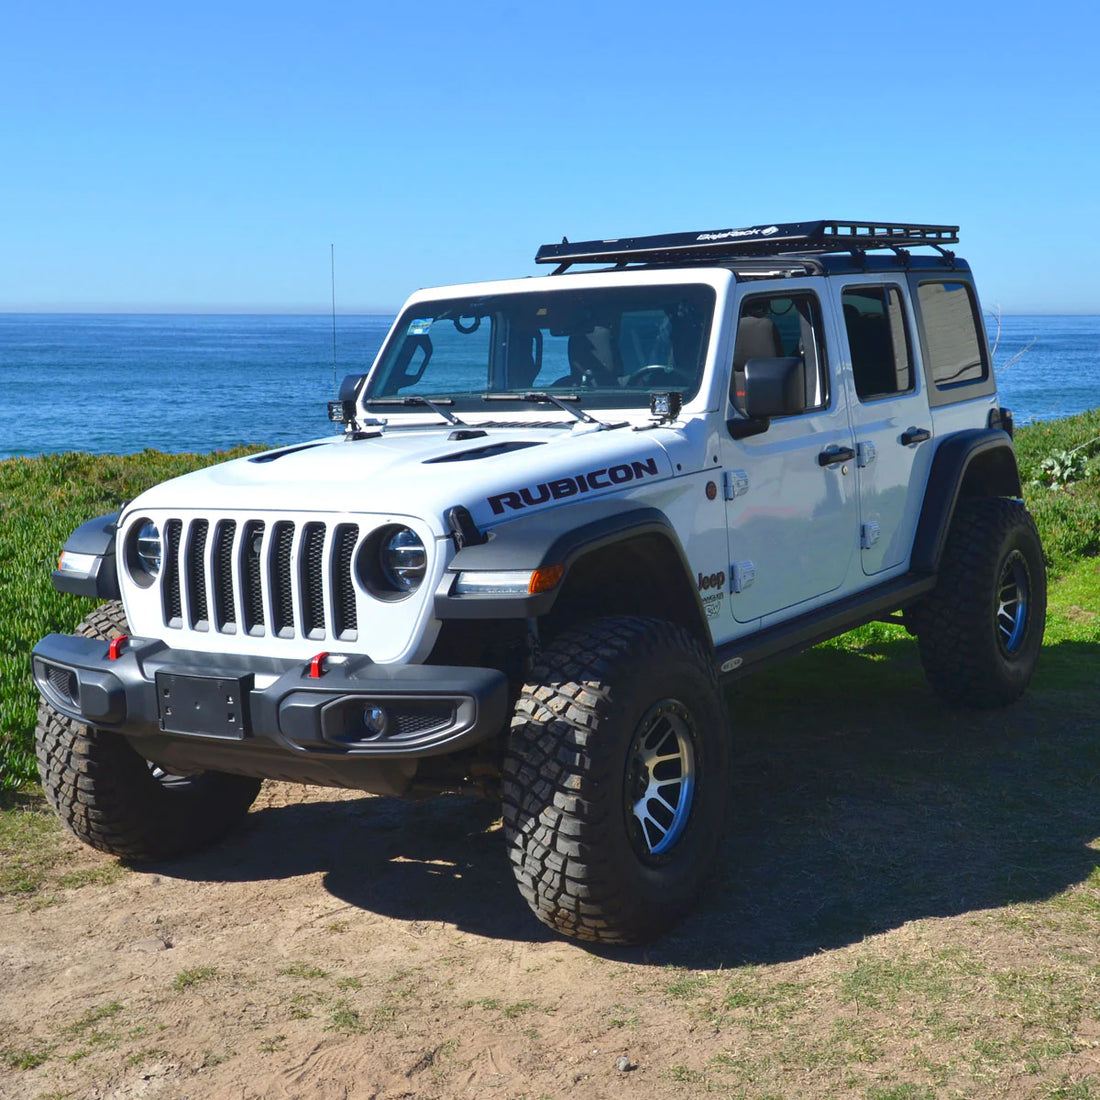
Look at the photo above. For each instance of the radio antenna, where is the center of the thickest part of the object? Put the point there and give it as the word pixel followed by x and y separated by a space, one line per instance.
pixel 332 271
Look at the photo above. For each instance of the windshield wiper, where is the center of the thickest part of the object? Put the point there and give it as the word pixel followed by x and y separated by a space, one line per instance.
pixel 433 403
pixel 541 397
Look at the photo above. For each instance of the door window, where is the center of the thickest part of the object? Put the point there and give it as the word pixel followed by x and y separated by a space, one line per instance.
pixel 781 326
pixel 878 338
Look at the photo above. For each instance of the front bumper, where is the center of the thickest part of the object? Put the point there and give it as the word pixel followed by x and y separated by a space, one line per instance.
pixel 343 720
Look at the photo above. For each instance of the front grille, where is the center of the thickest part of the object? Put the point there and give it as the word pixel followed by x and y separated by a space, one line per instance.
pixel 285 579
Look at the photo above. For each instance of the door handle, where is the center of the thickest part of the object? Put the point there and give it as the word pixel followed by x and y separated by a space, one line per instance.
pixel 915 435
pixel 834 455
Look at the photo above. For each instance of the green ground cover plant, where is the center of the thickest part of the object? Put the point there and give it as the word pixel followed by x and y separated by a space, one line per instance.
pixel 41 501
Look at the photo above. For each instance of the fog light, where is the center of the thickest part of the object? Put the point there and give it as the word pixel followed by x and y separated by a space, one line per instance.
pixel 376 720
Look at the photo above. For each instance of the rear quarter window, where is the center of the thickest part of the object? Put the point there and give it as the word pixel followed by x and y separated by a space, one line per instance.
pixel 954 351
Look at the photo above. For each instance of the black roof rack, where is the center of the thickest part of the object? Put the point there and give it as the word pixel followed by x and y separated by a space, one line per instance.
pixel 719 245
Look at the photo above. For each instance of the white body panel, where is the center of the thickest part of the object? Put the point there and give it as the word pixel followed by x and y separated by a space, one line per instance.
pixel 795 531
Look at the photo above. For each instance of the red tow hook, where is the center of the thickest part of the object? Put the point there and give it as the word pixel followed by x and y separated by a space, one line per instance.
pixel 115 650
pixel 317 666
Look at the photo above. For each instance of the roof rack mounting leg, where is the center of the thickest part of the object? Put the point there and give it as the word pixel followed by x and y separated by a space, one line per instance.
pixel 947 254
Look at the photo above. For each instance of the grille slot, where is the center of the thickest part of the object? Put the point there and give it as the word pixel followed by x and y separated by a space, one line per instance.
pixel 252 581
pixel 282 588
pixel 344 617
pixel 311 579
pixel 196 575
pixel 170 590
pixel 225 610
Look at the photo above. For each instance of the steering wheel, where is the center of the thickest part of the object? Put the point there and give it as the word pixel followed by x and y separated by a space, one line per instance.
pixel 657 374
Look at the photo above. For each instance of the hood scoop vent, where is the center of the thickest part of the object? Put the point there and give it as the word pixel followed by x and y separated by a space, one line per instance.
pixel 270 456
pixel 488 451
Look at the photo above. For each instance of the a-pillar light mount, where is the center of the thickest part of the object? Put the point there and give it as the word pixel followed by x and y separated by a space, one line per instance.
pixel 342 412
pixel 666 406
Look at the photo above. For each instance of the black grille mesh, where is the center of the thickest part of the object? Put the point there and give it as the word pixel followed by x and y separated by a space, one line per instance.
pixel 173 607
pixel 343 590
pixel 225 611
pixel 252 582
pixel 196 575
pixel 311 564
pixel 282 591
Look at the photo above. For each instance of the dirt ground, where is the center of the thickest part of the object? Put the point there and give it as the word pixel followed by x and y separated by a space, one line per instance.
pixel 902 918
pixel 339 946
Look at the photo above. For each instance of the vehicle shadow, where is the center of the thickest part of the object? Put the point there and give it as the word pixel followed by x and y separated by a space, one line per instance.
pixel 858 803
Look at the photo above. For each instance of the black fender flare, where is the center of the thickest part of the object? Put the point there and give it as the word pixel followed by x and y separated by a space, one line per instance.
pixel 988 453
pixel 556 536
pixel 95 538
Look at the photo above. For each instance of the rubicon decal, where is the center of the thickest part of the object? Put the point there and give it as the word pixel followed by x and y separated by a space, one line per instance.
pixel 603 478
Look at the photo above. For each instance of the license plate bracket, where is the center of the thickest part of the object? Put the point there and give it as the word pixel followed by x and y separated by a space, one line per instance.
pixel 210 706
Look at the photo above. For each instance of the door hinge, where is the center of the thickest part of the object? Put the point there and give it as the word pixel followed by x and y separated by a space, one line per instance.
pixel 742 574
pixel 865 453
pixel 735 483
pixel 868 535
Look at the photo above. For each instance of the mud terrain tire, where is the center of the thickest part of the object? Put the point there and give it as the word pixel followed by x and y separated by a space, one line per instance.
pixel 979 632
pixel 615 780
pixel 116 801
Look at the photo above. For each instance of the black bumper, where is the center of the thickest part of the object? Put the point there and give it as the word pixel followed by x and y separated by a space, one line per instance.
pixel 353 723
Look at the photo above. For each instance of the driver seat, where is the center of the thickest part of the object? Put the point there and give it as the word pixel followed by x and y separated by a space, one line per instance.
pixel 591 359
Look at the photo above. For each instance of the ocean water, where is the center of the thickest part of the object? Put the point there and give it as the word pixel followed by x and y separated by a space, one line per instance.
pixel 117 383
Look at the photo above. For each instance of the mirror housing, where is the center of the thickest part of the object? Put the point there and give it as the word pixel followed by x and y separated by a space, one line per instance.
pixel 342 410
pixel 775 387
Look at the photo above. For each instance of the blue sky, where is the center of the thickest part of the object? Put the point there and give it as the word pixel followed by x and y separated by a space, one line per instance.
pixel 203 157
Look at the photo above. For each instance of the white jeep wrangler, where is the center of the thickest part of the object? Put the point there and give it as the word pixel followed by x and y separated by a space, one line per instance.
pixel 561 512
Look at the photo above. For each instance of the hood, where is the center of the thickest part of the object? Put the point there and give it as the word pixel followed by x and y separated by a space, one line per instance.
pixel 424 472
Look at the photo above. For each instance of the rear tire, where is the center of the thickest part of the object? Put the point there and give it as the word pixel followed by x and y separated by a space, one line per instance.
pixel 615 781
pixel 115 800
pixel 980 631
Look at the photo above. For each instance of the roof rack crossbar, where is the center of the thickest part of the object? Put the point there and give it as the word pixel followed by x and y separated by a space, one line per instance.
pixel 786 239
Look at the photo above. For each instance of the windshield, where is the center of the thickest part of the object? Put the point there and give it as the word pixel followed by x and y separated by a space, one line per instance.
pixel 611 346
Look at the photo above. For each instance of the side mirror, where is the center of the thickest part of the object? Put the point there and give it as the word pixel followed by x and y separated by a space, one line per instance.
pixel 342 410
pixel 349 387
pixel 775 387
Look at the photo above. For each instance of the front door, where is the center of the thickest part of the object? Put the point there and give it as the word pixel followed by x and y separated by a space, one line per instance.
pixel 791 505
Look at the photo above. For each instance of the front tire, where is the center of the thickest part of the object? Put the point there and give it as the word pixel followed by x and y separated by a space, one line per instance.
pixel 980 631
pixel 615 781
pixel 115 800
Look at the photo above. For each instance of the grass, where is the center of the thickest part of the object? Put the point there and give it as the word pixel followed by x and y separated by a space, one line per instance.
pixel 193 976
pixel 42 500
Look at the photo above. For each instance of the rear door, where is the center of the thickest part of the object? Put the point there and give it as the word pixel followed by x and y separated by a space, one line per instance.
pixel 890 417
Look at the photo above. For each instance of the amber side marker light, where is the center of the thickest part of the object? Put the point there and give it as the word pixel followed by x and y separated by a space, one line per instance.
pixel 542 580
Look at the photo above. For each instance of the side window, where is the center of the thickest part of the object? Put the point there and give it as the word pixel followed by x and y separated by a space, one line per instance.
pixel 782 326
pixel 952 345
pixel 878 338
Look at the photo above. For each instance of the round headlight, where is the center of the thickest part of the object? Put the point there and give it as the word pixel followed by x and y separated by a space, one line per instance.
pixel 403 559
pixel 148 547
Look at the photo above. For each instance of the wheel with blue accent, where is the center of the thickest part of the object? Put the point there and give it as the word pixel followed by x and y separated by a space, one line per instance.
pixel 980 631
pixel 615 779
